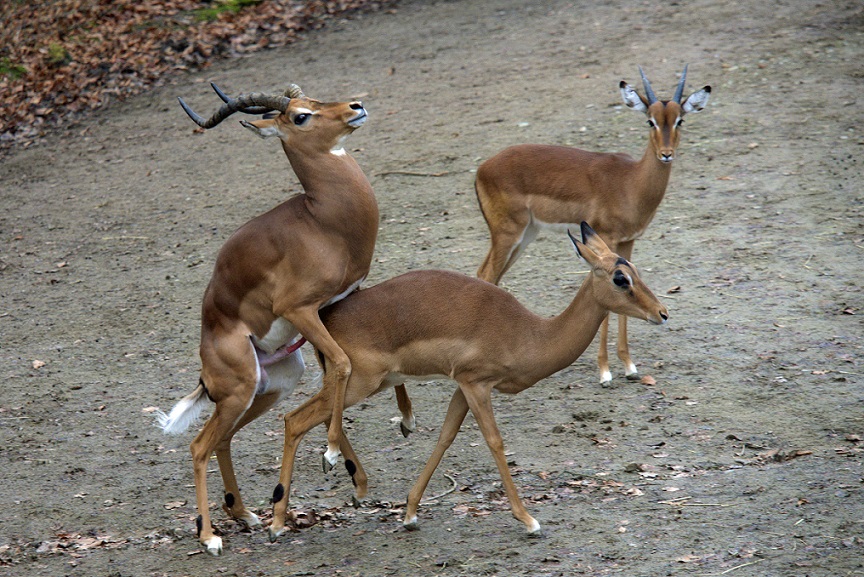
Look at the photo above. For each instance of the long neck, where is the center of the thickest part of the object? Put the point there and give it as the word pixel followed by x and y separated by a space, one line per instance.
pixel 334 185
pixel 653 177
pixel 321 171
pixel 565 337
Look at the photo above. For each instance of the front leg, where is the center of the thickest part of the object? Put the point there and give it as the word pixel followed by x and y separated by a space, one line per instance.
pixel 625 249
pixel 479 400
pixel 337 370
pixel 456 412
pixel 630 370
pixel 603 354
pixel 403 401
pixel 297 423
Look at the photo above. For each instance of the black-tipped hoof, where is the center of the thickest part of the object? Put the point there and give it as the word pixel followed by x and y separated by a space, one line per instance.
pixel 634 377
pixel 405 430
pixel 278 493
pixel 355 502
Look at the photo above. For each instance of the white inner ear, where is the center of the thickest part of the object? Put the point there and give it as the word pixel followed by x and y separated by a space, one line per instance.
pixel 696 101
pixel 269 130
pixel 632 100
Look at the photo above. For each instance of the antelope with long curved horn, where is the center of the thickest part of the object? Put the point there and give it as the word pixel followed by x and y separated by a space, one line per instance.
pixel 270 279
pixel 528 187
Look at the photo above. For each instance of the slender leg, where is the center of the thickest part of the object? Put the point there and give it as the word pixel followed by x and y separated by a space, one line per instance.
pixel 625 249
pixel 283 378
pixel 455 415
pixel 499 258
pixel 337 370
pixel 226 413
pixel 602 352
pixel 408 423
pixel 233 505
pixel 480 401
pixel 354 468
pixel 229 372
pixel 509 235
pixel 298 422
pixel 630 370
pixel 280 494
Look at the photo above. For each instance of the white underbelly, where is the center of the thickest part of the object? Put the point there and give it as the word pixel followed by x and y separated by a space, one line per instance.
pixel 280 334
pixel 575 228
pixel 344 294
pixel 393 379
pixel 557 226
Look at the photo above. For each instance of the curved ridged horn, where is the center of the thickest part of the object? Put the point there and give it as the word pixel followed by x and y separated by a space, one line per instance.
pixel 679 92
pixel 294 91
pixel 649 92
pixel 253 101
pixel 226 98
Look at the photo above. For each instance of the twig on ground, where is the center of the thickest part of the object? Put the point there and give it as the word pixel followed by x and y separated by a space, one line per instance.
pixel 412 173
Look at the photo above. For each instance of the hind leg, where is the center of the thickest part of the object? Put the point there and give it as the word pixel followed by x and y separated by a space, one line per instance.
pixel 230 374
pixel 403 401
pixel 227 412
pixel 233 504
pixel 298 422
pixel 507 243
pixel 277 381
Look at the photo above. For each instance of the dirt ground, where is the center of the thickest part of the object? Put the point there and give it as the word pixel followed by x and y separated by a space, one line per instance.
pixel 745 458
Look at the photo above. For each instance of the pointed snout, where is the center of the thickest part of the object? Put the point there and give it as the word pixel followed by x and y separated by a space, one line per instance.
pixel 660 317
pixel 666 156
pixel 360 116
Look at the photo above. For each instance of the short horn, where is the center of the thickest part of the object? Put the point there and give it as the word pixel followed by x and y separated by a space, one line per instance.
pixel 294 91
pixel 649 92
pixel 679 92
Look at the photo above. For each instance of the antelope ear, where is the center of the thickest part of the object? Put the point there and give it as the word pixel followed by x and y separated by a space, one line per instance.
pixel 632 99
pixel 583 250
pixel 263 128
pixel 592 239
pixel 697 101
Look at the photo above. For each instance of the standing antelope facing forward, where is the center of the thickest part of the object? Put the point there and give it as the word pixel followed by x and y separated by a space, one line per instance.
pixel 428 323
pixel 271 277
pixel 531 186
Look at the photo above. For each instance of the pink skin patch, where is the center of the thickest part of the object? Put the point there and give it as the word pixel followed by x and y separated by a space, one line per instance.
pixel 266 360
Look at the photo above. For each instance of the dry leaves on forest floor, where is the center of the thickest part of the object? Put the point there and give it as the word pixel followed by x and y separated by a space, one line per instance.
pixel 60 59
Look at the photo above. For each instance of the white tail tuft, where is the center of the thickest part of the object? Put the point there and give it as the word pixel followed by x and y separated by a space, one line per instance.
pixel 184 413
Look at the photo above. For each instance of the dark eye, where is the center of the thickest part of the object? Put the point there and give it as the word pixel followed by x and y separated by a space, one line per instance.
pixel 680 122
pixel 651 123
pixel 620 279
pixel 301 118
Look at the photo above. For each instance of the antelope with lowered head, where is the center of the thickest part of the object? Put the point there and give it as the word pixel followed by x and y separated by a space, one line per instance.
pixel 528 187
pixel 271 277
pixel 428 324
